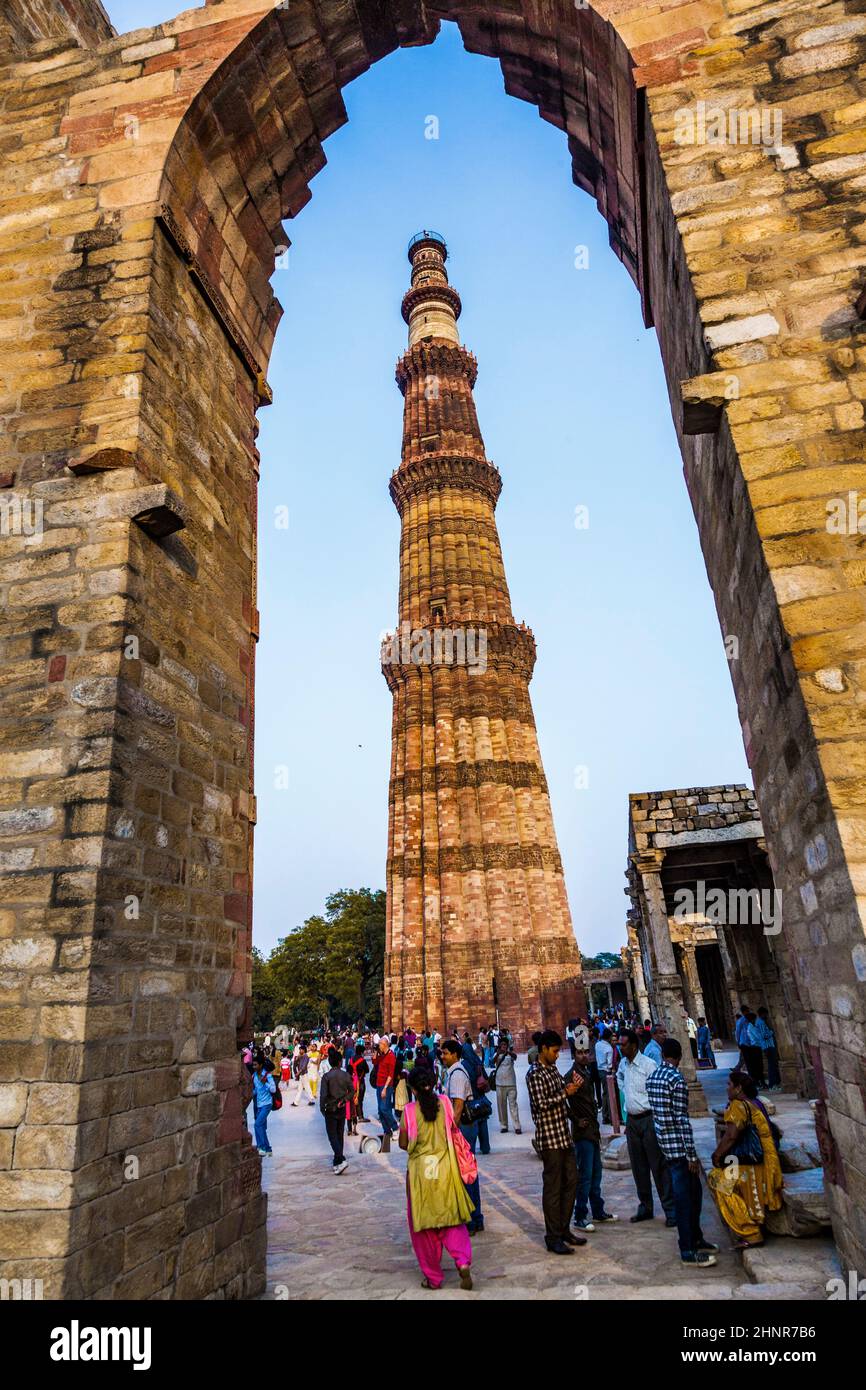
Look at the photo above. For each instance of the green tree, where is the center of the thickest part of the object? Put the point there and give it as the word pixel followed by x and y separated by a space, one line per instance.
pixel 605 960
pixel 331 969
pixel 265 993
pixel 359 918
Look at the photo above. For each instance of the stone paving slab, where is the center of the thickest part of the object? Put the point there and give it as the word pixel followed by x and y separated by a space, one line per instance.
pixel 338 1237
pixel 346 1237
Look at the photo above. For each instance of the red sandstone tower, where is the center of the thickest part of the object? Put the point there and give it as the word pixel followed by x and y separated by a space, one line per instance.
pixel 478 917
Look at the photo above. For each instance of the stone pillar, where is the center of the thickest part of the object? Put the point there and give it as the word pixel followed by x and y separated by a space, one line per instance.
pixel 732 978
pixel 638 975
pixel 669 987
pixel 693 982
pixel 629 992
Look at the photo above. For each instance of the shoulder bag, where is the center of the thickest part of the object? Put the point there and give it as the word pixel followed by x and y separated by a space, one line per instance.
pixel 748 1148
pixel 466 1161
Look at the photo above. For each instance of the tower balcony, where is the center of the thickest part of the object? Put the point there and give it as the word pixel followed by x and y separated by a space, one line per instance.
pixel 435 472
pixel 434 294
pixel 470 644
pixel 436 358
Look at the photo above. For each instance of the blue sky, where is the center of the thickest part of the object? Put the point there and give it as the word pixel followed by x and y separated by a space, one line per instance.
pixel 632 682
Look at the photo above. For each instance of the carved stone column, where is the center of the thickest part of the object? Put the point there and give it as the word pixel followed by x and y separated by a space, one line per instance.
pixel 732 977
pixel 641 997
pixel 693 981
pixel 668 985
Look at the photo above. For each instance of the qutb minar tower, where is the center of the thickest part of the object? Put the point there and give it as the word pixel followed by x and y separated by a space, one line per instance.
pixel 478 917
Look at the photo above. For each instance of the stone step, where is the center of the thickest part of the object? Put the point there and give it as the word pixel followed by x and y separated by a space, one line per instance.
pixel 804 1210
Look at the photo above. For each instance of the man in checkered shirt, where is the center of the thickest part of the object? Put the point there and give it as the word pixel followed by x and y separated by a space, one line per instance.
pixel 548 1102
pixel 669 1098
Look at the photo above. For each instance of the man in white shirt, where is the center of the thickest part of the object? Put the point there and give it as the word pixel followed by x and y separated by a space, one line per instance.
pixel 603 1053
pixel 604 1062
pixel 646 1158
pixel 653 1049
pixel 458 1089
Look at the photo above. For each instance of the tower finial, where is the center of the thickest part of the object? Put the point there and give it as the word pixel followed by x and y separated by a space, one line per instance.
pixel 431 307
pixel 428 236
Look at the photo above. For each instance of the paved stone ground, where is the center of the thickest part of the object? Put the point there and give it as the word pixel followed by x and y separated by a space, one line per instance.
pixel 346 1237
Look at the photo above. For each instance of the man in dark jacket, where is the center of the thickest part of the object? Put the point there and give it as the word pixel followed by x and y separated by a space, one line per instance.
pixel 336 1090
pixel 587 1147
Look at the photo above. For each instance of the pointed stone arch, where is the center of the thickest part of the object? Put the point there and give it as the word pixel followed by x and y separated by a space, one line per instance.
pixel 260 120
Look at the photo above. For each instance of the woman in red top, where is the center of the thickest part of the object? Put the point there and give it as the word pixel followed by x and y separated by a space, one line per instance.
pixel 359 1068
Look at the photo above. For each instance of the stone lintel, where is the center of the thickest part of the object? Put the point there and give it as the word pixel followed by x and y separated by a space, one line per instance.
pixel 745 830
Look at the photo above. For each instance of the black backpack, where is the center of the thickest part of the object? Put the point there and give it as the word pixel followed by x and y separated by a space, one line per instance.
pixel 332 1105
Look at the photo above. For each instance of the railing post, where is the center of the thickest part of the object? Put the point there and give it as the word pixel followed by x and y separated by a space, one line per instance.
pixel 613 1102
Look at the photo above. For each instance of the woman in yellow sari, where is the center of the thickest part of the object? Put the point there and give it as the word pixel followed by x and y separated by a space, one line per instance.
pixel 745 1192
pixel 437 1203
pixel 314 1057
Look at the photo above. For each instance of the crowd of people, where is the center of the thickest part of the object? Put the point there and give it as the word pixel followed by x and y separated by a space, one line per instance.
pixel 434 1094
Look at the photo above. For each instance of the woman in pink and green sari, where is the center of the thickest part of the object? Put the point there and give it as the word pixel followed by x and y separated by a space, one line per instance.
pixel 438 1205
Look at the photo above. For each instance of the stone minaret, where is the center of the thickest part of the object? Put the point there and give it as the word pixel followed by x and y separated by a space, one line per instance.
pixel 478 916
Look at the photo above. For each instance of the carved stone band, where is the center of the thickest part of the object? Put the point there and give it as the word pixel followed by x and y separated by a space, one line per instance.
pixel 437 472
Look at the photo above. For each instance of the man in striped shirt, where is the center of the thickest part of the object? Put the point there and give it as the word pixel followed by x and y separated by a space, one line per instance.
pixel 669 1098
pixel 548 1102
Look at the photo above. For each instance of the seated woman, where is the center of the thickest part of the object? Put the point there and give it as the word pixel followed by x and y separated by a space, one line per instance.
pixel 438 1205
pixel 745 1192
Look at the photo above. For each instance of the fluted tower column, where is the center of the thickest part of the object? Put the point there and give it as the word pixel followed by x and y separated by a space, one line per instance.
pixel 478 916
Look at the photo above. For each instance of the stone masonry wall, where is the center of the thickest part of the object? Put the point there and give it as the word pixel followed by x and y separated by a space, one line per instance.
pixel 757 267
pixel 689 809
pixel 142 187
pixel 24 23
